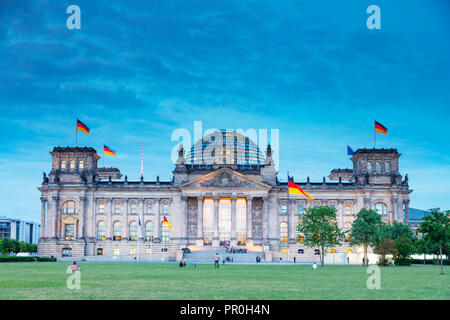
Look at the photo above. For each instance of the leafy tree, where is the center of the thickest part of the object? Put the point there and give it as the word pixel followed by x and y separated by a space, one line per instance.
pixel 401 230
pixel 405 248
pixel 365 229
pixel 436 229
pixel 384 244
pixel 320 229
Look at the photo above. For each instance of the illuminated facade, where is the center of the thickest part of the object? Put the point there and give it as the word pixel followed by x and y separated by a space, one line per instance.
pixel 232 194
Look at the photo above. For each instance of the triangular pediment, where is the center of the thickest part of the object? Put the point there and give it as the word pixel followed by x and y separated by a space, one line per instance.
pixel 69 219
pixel 225 178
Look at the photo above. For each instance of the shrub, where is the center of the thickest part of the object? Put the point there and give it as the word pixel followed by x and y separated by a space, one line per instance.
pixel 431 261
pixel 25 259
pixel 384 262
pixel 402 261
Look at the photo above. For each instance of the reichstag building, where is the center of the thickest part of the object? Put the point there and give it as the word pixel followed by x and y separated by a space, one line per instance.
pixel 223 188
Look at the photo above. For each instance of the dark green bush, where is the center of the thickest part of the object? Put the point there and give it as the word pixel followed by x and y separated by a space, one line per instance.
pixel 24 259
pixel 400 261
pixel 431 261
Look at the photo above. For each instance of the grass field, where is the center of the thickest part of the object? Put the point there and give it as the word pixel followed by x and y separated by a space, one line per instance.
pixel 29 280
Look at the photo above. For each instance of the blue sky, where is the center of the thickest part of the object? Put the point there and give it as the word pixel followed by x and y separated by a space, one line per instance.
pixel 138 70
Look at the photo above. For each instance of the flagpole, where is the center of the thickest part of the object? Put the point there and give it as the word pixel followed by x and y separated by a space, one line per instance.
pixel 76 134
pixel 374 135
pixel 103 158
pixel 288 206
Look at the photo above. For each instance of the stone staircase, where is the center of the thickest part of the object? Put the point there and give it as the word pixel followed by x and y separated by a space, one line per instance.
pixel 207 256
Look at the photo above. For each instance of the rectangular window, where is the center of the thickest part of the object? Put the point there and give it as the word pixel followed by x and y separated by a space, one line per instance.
pixel 148 250
pixel 132 251
pixel 348 209
pixel 283 209
pixel 165 209
pixel 101 208
pixel 117 208
pixel 69 231
pixel 133 208
pixel 148 208
pixel 300 209
pixel 116 251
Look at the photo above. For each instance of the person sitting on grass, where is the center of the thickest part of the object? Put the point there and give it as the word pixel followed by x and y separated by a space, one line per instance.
pixel 75 267
pixel 314 266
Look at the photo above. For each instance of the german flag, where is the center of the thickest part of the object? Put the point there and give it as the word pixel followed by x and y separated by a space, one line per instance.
pixel 82 127
pixel 295 189
pixel 109 151
pixel 380 128
pixel 167 223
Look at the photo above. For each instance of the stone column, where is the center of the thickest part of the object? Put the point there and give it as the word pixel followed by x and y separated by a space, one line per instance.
pixel 366 202
pixel 200 218
pixel 340 209
pixel 393 215
pixel 55 215
pixel 265 219
pixel 157 223
pixel 90 225
pixel 81 220
pixel 407 211
pixel 233 218
pixel 125 230
pixel 249 218
pixel 109 223
pixel 184 213
pixel 43 203
pixel 292 221
pixel 216 218
pixel 141 218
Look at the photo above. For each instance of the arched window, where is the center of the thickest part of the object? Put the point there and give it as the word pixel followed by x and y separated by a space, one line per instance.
pixel 133 231
pixel 72 164
pixel 63 164
pixel 69 207
pixel 165 233
pixel 149 231
pixel 387 167
pixel 378 166
pixel 81 164
pixel 380 208
pixel 369 166
pixel 283 231
pixel 117 231
pixel 101 230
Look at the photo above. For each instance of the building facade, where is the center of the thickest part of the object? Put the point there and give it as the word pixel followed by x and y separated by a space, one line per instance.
pixel 224 189
pixel 19 230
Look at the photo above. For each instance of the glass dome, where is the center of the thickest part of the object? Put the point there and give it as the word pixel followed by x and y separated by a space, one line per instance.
pixel 225 147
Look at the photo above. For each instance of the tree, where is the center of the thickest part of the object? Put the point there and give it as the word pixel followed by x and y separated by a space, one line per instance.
pixel 384 244
pixel 399 229
pixel 6 245
pixel 405 248
pixel 320 229
pixel 436 229
pixel 365 229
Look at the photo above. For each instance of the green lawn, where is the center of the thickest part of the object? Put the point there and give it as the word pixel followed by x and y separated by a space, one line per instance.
pixel 45 280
